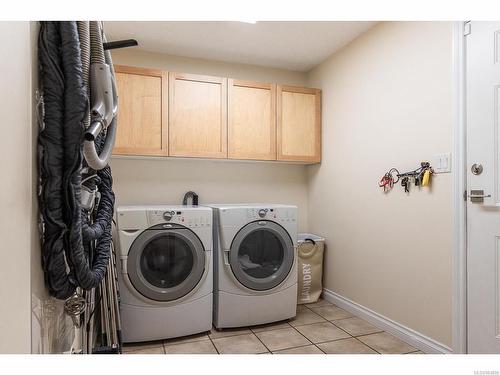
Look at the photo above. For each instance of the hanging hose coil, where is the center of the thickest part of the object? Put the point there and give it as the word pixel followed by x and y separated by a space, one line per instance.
pixel 76 243
pixel 51 166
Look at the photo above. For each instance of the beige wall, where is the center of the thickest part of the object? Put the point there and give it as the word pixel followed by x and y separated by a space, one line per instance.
pixel 16 181
pixel 165 181
pixel 39 293
pixel 135 57
pixel 387 103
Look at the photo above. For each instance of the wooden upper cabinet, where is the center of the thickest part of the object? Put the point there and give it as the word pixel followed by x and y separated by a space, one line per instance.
pixel 142 112
pixel 251 120
pixel 299 124
pixel 187 115
pixel 197 116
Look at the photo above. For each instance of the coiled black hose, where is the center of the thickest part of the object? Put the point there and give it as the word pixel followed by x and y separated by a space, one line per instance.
pixel 68 233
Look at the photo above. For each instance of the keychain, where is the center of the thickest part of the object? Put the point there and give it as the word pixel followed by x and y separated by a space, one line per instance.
pixel 421 177
pixel 387 181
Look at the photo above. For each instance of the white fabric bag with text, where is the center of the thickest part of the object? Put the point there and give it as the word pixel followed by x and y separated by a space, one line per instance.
pixel 310 267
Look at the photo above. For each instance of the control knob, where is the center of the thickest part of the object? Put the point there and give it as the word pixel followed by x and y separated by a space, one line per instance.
pixel 262 212
pixel 167 215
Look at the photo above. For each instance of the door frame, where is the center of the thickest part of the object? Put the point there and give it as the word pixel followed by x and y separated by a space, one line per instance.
pixel 459 186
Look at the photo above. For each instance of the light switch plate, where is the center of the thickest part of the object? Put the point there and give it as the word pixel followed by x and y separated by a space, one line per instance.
pixel 442 163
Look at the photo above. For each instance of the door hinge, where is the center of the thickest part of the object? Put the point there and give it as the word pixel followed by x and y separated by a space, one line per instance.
pixel 467 28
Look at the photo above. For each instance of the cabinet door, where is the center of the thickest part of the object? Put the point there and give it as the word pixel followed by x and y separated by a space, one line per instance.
pixel 299 124
pixel 198 116
pixel 252 120
pixel 142 111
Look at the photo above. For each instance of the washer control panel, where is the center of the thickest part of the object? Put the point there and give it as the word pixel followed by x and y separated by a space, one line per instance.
pixel 190 219
pixel 274 214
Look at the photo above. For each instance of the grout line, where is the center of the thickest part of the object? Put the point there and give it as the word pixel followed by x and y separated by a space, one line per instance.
pixel 183 343
pixel 331 320
pixel 316 307
pixel 376 351
pixel 364 334
pixel 351 336
pixel 308 324
pixel 327 318
pixel 321 350
pixel 341 329
pixel 381 331
pixel 322 342
pixel 303 324
pixel 303 335
pixel 354 337
pixel 271 329
pixel 258 338
pixel 215 347
pixel 413 351
pixel 251 333
pixel 279 329
pixel 236 334
pixel 369 334
pixel 373 333
pixel 295 347
pixel 349 317
pixel 181 338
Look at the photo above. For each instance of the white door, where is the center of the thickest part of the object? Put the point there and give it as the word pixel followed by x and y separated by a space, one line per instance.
pixel 483 214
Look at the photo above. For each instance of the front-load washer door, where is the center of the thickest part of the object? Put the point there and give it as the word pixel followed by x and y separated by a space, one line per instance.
pixel 166 262
pixel 261 255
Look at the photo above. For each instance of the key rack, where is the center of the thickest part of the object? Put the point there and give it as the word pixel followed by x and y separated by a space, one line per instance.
pixel 420 176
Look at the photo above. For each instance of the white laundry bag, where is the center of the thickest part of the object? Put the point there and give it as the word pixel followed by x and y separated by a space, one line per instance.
pixel 310 267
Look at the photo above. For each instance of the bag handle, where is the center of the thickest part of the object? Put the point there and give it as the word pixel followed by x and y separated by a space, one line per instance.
pixel 310 253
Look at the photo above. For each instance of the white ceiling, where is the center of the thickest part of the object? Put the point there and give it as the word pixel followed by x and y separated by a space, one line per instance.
pixel 288 45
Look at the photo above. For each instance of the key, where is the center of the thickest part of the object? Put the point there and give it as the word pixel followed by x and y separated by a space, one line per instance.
pixel 405 182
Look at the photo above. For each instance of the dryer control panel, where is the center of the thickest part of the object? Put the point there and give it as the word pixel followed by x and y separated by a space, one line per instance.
pixel 190 219
pixel 275 214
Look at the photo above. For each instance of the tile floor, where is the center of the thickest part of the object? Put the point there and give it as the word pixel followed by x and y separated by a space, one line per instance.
pixel 318 328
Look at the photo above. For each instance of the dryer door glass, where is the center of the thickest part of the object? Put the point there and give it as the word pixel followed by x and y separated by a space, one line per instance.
pixel 166 261
pixel 261 255
pixel 165 265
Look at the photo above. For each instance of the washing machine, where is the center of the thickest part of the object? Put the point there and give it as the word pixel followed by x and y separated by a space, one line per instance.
pixel 255 259
pixel 165 273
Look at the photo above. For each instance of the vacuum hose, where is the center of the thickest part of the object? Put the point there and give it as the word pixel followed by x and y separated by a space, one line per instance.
pixel 104 98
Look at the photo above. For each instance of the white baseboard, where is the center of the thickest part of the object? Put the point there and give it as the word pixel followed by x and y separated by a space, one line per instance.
pixel 416 339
